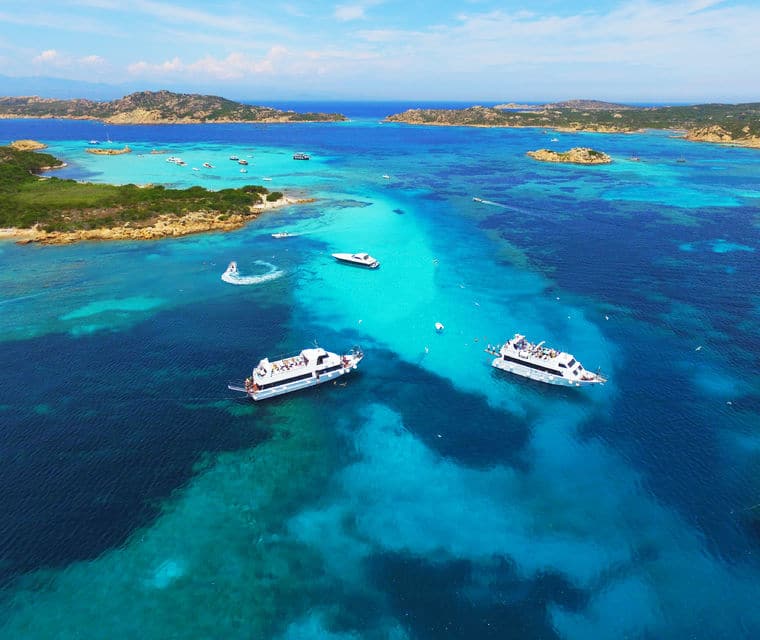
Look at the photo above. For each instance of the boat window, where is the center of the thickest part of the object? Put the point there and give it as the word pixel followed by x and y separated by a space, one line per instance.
pixel 562 365
pixel 571 363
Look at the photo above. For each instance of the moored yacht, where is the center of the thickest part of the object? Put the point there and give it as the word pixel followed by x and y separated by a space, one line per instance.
pixel 538 362
pixel 301 156
pixel 361 259
pixel 307 369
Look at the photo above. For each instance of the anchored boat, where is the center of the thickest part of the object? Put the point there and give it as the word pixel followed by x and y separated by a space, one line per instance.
pixel 538 362
pixel 360 259
pixel 307 369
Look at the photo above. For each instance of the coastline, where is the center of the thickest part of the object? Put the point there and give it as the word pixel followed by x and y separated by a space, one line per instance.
pixel 690 135
pixel 164 226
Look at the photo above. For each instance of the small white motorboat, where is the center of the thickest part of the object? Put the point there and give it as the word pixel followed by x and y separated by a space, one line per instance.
pixel 439 327
pixel 359 259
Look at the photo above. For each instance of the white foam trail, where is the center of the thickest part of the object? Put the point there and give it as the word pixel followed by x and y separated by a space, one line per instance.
pixel 233 277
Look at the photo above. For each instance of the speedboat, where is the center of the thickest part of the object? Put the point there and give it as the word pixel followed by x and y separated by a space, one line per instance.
pixel 242 161
pixel 360 259
pixel 231 273
pixel 308 368
pixel 439 327
pixel 540 363
pixel 301 156
pixel 282 234
pixel 235 158
pixel 208 165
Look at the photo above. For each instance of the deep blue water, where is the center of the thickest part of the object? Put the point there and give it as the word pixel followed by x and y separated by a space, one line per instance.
pixel 431 496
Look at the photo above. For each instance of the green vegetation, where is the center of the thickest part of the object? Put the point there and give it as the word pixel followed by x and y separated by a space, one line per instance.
pixel 156 106
pixel 66 205
pixel 739 122
pixel 274 196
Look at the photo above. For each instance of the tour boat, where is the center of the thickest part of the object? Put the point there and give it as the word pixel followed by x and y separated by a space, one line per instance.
pixel 307 369
pixel 538 362
pixel 361 259
pixel 301 156
pixel 242 161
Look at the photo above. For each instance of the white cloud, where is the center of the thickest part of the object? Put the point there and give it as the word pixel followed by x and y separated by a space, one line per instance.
pixel 92 60
pixel 234 66
pixel 48 56
pixel 347 12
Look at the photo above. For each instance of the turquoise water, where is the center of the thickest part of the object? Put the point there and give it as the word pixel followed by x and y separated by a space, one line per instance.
pixel 431 496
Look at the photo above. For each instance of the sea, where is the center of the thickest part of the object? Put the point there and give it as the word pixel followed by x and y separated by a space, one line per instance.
pixel 426 495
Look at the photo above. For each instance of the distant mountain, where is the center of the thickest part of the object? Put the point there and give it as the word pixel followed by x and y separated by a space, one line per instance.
pixel 154 107
pixel 59 88
pixel 581 105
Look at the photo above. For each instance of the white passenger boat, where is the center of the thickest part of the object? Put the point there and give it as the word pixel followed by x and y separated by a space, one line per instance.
pixel 306 369
pixel 283 234
pixel 538 362
pixel 361 259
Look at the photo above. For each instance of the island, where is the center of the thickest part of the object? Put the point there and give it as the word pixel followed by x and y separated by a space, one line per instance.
pixel 109 152
pixel 737 124
pixel 155 107
pixel 51 210
pixel 578 155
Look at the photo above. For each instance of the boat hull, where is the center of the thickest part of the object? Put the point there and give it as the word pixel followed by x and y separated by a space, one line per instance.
pixel 350 362
pixel 346 259
pixel 540 376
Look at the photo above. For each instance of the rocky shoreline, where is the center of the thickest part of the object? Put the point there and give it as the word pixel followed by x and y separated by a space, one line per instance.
pixel 164 226
pixel 577 155
pixel 109 152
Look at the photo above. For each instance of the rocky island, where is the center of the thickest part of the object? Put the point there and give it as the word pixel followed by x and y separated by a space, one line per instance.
pixel 720 123
pixel 155 107
pixel 578 155
pixel 55 211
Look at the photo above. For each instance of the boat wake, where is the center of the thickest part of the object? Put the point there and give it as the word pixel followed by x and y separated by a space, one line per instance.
pixel 232 275
pixel 499 204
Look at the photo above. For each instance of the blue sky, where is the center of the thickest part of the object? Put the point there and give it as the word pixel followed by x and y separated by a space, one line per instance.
pixel 470 50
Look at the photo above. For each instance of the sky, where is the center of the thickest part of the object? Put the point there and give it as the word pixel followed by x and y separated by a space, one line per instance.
pixel 465 50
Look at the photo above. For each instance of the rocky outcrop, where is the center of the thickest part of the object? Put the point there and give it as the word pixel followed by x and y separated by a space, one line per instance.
pixel 471 117
pixel 164 226
pixel 718 134
pixel 109 152
pixel 578 155
pixel 27 145
pixel 155 107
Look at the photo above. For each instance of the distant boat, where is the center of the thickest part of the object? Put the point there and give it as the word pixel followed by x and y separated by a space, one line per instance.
pixel 634 158
pixel 386 176
pixel 208 165
pixel 681 159
pixel 439 327
pixel 94 142
pixel 242 161
pixel 283 234
pixel 235 158
pixel 244 171
pixel 301 156
pixel 267 179
pixel 360 259
pixel 554 140
pixel 196 169
pixel 474 199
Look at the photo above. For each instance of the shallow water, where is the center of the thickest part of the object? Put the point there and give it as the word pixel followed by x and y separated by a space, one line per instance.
pixel 431 495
